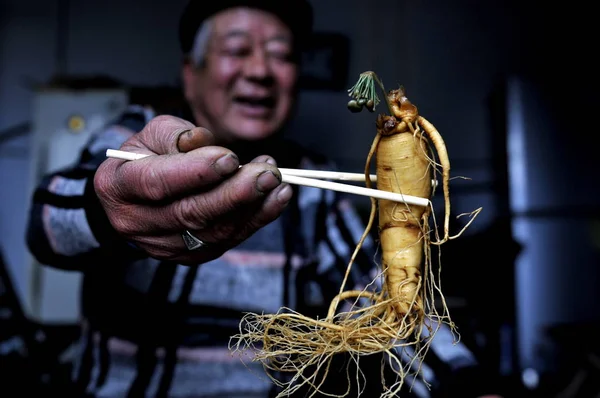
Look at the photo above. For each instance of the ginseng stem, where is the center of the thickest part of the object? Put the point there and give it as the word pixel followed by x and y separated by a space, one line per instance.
pixel 364 93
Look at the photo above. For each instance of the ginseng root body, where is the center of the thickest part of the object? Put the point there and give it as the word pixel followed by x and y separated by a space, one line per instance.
pixel 402 167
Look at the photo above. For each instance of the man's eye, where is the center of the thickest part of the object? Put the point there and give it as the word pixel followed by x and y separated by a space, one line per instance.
pixel 281 55
pixel 237 51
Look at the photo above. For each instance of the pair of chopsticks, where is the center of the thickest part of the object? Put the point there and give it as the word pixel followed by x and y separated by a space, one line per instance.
pixel 315 179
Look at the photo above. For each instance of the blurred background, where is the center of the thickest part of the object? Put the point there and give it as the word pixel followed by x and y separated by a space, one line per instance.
pixel 511 85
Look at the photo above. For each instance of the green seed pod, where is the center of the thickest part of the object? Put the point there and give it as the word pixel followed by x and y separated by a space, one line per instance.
pixel 362 101
pixel 370 105
pixel 354 106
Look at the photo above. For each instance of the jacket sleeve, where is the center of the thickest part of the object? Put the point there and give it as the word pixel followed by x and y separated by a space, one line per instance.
pixel 67 226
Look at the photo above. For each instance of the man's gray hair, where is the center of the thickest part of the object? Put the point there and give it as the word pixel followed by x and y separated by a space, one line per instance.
pixel 198 52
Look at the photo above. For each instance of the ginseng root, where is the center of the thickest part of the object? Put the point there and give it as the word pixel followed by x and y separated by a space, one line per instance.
pixel 401 309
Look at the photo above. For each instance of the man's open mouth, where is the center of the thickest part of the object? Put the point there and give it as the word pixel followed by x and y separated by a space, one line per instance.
pixel 256 102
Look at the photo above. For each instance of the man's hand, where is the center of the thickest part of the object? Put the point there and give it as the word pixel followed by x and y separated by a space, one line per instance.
pixel 190 185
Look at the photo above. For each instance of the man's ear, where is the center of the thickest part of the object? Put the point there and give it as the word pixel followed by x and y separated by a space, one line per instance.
pixel 187 77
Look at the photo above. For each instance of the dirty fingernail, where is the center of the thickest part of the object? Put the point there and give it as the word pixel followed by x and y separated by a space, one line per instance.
pixel 285 194
pixel 182 139
pixel 266 181
pixel 227 164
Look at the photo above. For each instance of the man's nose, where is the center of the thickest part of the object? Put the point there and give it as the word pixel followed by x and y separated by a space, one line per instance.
pixel 257 66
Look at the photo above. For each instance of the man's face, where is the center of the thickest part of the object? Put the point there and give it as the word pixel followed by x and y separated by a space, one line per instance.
pixel 246 88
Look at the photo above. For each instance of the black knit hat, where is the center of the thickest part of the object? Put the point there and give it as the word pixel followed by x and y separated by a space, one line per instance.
pixel 297 14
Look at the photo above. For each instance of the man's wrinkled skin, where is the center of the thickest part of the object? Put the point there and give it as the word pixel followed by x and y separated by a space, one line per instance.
pixel 244 90
pixel 151 201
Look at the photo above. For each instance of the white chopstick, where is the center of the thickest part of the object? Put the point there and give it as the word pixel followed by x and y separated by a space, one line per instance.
pixel 297 177
pixel 335 186
pixel 327 175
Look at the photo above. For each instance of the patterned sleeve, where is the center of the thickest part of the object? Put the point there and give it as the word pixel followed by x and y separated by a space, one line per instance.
pixel 332 228
pixel 67 226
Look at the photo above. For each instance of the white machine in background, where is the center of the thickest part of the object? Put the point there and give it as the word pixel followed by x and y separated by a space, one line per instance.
pixel 63 121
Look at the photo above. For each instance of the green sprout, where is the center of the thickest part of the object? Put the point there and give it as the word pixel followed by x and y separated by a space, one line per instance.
pixel 364 93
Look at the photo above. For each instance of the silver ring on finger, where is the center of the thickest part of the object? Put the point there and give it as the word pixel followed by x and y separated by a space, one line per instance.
pixel 193 243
